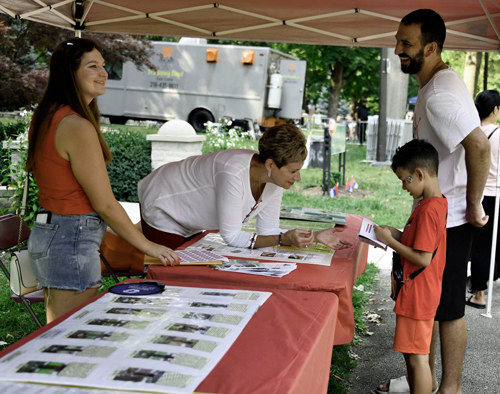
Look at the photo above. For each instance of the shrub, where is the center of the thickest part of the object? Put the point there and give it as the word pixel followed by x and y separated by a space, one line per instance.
pixel 131 162
pixel 220 136
pixel 8 131
pixel 14 175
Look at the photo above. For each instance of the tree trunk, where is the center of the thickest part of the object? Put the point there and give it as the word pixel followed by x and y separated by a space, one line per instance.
pixel 471 71
pixel 337 82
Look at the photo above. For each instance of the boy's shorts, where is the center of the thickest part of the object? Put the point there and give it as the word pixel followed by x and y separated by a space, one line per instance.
pixel 412 336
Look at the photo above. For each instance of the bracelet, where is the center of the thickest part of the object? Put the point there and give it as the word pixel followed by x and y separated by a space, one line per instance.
pixel 279 240
pixel 252 241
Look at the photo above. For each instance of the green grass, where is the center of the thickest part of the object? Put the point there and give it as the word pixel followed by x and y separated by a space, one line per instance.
pixel 385 201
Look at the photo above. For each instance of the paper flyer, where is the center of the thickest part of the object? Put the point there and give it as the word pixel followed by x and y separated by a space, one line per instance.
pixel 165 342
pixel 367 234
pixel 318 254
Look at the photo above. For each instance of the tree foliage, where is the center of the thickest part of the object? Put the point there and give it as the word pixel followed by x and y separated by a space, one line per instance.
pixel 26 48
pixel 347 73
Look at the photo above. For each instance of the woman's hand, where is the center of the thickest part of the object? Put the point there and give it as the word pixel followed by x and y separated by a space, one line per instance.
pixel 166 255
pixel 298 238
pixel 330 238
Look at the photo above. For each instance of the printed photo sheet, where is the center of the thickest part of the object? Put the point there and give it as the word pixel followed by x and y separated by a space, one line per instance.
pixel 318 254
pixel 277 270
pixel 156 343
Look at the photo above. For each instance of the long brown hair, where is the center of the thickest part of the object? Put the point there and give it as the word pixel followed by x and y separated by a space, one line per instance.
pixel 62 89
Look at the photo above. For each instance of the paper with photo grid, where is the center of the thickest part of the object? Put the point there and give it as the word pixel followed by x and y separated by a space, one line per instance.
pixel 252 267
pixel 318 254
pixel 166 342
pixel 312 215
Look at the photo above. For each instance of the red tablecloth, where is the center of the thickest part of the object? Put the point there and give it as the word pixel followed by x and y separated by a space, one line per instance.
pixel 338 278
pixel 285 348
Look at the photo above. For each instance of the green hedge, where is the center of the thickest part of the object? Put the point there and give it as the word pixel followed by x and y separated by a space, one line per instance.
pixel 131 162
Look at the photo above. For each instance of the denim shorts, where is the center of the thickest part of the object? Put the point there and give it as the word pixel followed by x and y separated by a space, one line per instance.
pixel 65 252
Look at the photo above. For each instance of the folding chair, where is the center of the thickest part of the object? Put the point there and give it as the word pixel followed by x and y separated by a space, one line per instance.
pixel 13 231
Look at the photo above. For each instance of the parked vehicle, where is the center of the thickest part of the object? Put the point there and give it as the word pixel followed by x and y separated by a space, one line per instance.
pixel 199 82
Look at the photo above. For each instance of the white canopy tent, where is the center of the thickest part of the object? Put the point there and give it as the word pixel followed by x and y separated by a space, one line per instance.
pixel 472 25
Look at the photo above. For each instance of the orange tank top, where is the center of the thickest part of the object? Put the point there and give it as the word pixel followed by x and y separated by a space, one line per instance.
pixel 59 190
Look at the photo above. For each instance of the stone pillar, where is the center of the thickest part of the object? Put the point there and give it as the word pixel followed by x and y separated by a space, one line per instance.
pixel 176 140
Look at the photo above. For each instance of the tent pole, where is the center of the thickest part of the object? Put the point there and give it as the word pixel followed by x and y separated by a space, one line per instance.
pixel 493 245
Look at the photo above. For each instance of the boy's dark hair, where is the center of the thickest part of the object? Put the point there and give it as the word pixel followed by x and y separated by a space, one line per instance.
pixel 431 25
pixel 416 154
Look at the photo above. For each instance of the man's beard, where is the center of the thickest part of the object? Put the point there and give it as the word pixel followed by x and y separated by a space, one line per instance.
pixel 416 63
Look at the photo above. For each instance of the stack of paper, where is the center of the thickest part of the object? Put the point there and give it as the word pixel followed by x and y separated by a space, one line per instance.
pixel 276 270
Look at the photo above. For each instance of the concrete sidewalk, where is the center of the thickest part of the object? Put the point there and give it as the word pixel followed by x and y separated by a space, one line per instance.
pixel 378 363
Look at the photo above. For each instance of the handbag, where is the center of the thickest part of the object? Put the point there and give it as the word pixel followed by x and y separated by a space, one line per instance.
pixel 22 277
pixel 397 279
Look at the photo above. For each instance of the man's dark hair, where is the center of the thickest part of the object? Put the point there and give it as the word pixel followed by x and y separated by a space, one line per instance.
pixel 431 24
pixel 416 154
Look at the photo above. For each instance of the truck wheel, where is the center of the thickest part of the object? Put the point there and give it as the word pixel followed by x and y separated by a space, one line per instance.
pixel 199 117
pixel 117 119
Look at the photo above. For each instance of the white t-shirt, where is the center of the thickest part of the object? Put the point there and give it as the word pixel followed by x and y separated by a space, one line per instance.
pixel 209 192
pixel 491 182
pixel 444 115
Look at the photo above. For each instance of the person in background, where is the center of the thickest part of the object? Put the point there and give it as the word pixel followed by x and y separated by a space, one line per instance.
pixel 422 247
pixel 67 155
pixel 488 107
pixel 223 190
pixel 446 117
pixel 361 114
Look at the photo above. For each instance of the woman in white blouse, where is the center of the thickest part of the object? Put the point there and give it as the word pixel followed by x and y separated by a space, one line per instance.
pixel 224 189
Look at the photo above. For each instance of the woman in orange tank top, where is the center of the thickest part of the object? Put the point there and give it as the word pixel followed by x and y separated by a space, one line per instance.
pixel 68 156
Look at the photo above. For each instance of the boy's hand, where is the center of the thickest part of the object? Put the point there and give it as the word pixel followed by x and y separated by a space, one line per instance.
pixel 383 233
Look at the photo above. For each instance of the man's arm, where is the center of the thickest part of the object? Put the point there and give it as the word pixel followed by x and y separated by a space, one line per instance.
pixel 477 161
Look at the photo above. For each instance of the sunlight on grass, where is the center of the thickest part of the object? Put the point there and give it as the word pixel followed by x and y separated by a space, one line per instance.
pixel 385 201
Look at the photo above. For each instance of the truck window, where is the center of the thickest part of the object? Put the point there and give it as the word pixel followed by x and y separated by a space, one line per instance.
pixel 114 70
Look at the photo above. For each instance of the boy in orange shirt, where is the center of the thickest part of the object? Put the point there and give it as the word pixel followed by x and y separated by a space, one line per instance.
pixel 421 244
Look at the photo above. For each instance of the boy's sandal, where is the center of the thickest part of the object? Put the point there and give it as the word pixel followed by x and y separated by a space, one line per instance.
pixel 398 386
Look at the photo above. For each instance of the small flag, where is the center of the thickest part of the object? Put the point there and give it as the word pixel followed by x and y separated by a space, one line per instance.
pixel 354 184
pixel 334 192
pixel 347 186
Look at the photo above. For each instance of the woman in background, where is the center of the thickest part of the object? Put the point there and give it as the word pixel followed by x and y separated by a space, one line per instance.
pixel 68 155
pixel 488 106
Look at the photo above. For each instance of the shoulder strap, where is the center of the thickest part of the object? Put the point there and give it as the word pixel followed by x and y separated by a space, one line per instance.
pixel 492 132
pixel 414 274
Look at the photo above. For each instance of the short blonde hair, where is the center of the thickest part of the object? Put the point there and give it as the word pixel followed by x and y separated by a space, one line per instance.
pixel 283 144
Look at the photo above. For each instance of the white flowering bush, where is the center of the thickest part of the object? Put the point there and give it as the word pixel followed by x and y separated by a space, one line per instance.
pixel 15 177
pixel 221 136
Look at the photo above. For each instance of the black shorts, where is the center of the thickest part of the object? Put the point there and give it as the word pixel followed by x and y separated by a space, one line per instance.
pixel 459 243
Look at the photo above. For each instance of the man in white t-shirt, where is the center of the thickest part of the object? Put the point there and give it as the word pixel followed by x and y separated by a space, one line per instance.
pixel 446 117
